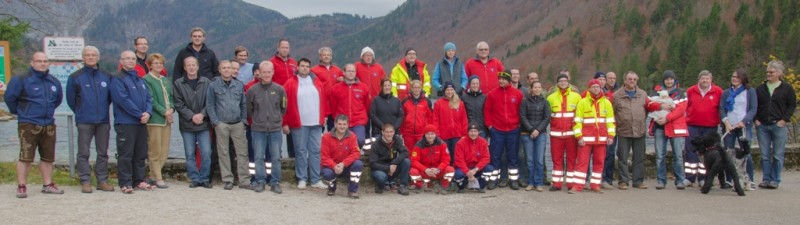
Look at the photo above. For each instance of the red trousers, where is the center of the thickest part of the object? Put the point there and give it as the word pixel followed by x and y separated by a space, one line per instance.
pixel 444 177
pixel 558 147
pixel 597 153
pixel 410 140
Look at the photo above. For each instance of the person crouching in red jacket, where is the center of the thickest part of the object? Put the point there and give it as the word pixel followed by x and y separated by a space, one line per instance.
pixel 340 156
pixel 472 160
pixel 430 160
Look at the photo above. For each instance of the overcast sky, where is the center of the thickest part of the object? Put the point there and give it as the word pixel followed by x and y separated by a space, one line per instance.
pixel 296 8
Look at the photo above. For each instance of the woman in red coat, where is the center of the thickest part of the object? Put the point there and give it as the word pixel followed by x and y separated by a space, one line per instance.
pixel 450 116
pixel 418 113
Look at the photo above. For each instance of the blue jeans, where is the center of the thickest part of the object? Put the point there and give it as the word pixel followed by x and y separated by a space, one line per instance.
pixel 608 164
pixel 361 133
pixel 202 139
pixel 534 150
pixel 731 141
pixel 451 148
pixel 504 142
pixel 661 153
pixel 460 176
pixel 263 142
pixel 353 172
pixel 772 141
pixel 400 175
pixel 307 140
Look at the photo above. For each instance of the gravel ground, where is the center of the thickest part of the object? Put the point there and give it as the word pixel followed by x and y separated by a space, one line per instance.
pixel 181 205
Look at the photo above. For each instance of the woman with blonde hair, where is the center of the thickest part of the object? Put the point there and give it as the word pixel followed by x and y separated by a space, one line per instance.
pixel 160 124
pixel 450 117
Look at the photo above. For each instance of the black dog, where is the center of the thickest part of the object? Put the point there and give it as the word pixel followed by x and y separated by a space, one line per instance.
pixel 716 160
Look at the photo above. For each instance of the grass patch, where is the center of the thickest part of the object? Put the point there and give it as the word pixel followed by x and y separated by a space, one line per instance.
pixel 8 175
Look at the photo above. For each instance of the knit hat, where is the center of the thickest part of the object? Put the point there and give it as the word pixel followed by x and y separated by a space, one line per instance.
pixel 599 74
pixel 593 82
pixel 448 84
pixel 669 74
pixel 448 46
pixel 473 126
pixel 505 75
pixel 367 49
pixel 561 75
pixel 430 128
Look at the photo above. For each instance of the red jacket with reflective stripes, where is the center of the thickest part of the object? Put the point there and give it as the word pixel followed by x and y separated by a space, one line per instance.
pixel 562 106
pixel 471 153
pixel 334 150
pixel 676 121
pixel 594 120
pixel 424 156
pixel 501 110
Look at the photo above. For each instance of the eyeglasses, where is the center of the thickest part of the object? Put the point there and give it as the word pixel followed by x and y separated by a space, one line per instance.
pixel 41 61
pixel 483 49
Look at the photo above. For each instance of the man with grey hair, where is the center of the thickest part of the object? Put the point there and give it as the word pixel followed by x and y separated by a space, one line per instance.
pixel 485 67
pixel 266 105
pixel 193 122
pixel 328 74
pixel 225 105
pixel 89 97
pixel 702 118
pixel 776 105
pixel 208 65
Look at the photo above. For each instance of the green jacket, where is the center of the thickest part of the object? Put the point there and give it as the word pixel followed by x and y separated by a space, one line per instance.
pixel 161 91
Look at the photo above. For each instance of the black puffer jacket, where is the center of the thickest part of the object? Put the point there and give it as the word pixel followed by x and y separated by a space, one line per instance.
pixel 385 109
pixel 473 102
pixel 534 114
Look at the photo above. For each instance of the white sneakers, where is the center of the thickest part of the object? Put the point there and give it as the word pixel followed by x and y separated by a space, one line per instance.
pixel 301 185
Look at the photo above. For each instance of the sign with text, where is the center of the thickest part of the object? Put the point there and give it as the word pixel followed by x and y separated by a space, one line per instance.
pixel 5 64
pixel 62 70
pixel 63 48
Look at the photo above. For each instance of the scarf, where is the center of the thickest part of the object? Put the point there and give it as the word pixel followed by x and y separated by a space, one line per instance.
pixel 732 97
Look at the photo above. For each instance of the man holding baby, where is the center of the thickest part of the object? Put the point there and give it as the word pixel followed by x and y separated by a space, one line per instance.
pixel 669 126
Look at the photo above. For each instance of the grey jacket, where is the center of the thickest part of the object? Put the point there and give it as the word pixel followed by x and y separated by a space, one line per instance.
pixel 189 102
pixel 226 102
pixel 266 105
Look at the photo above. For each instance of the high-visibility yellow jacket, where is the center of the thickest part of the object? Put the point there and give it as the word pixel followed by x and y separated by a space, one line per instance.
pixel 594 120
pixel 401 82
pixel 562 107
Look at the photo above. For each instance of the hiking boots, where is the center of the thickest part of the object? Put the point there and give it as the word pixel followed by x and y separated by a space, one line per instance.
pixel 105 187
pixel 86 188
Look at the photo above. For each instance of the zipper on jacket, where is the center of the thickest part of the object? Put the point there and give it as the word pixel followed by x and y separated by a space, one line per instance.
pixel 97 97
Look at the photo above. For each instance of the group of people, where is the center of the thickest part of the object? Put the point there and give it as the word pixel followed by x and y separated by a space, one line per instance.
pixel 470 136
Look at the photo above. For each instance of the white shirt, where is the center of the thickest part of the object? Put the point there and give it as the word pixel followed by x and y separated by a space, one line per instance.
pixel 308 101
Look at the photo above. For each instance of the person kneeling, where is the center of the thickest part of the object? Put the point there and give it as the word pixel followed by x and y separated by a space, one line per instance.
pixel 339 155
pixel 472 157
pixel 389 161
pixel 431 156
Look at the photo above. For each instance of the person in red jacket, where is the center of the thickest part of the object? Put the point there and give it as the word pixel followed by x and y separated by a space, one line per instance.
pixel 502 118
pixel 306 111
pixel 369 71
pixel 325 70
pixel 351 98
pixel 430 160
pixel 472 160
pixel 594 129
pixel 484 67
pixel 340 156
pixel 702 118
pixel 670 129
pixel 285 67
pixel 418 113
pixel 450 116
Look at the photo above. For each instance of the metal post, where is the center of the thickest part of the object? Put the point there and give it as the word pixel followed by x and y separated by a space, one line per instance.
pixel 71 146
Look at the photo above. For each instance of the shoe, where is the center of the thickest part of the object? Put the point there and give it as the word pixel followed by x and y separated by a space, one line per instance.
pixel 126 190
pixel 22 191
pixel 491 186
pixel 763 184
pixel 86 188
pixel 105 187
pixel 529 188
pixel 680 186
pixel 378 189
pixel 301 185
pixel 539 189
pixel 572 191
pixel 597 190
pixel 701 183
pixel 245 186
pixel 482 190
pixel 753 186
pixel 319 185
pixel 258 188
pixel 660 186
pixel 514 185
pixel 353 195
pixel 207 185
pixel 51 189
pixel 228 186
pixel 773 185
pixel 608 186
pixel 194 184
pixel 143 186
pixel 554 188
pixel 442 191
pixel 460 191
pixel 640 186
pixel 503 183
pixel 623 186
pixel 161 184
pixel 403 190
pixel 726 185
pixel 276 188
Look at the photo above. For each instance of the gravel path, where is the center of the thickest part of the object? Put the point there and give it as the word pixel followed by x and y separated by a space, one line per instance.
pixel 181 205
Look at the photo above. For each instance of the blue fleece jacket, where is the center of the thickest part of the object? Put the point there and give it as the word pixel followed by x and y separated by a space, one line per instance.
pixel 89 95
pixel 131 98
pixel 34 97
